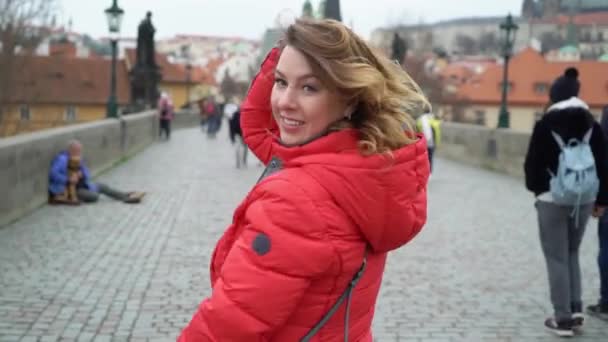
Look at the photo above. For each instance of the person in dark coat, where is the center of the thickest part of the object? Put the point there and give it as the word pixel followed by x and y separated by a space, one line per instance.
pixel 561 232
pixel 601 308
pixel 236 137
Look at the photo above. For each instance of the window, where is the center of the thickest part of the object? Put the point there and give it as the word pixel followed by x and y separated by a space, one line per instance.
pixel 600 36
pixel 70 113
pixel 587 36
pixel 480 117
pixel 541 88
pixel 25 113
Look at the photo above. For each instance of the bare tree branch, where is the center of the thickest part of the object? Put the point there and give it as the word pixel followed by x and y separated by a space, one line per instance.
pixel 429 83
pixel 23 25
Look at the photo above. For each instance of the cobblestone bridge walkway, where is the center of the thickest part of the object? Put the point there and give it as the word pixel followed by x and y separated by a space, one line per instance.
pixel 117 272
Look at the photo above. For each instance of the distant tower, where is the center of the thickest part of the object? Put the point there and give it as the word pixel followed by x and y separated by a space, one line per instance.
pixel 321 9
pixel 528 9
pixel 307 10
pixel 551 8
pixel 573 10
pixel 332 10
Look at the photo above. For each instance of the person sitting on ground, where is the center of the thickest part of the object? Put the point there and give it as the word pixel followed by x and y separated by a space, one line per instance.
pixel 60 179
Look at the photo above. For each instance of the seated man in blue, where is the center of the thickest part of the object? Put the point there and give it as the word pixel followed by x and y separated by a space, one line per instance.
pixel 62 178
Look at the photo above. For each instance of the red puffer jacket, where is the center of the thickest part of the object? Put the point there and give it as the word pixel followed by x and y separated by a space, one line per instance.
pixel 300 235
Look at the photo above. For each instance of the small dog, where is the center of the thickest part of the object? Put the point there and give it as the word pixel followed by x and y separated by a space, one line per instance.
pixel 70 196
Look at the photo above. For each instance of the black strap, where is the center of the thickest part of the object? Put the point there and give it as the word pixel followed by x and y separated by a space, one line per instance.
pixel 346 295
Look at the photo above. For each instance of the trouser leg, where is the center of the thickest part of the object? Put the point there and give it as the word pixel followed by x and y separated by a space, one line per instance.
pixel 87 195
pixel 111 192
pixel 553 231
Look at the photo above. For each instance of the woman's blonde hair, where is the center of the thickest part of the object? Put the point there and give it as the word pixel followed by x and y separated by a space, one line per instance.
pixel 384 97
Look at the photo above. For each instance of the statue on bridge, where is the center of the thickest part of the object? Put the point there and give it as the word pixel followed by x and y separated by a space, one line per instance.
pixel 399 49
pixel 145 74
pixel 145 42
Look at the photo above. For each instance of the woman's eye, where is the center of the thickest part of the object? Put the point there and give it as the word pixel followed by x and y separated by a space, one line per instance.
pixel 280 82
pixel 309 89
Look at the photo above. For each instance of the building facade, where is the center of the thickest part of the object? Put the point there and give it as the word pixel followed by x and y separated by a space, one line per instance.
pixel 547 23
pixel 53 91
pixel 530 78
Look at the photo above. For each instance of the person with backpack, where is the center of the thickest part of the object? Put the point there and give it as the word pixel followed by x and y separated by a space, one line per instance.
pixel 566 168
pixel 345 184
pixel 600 309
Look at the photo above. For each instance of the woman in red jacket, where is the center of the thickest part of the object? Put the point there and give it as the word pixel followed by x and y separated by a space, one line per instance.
pixel 304 257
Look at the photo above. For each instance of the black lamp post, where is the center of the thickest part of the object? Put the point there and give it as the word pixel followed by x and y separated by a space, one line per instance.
pixel 508 29
pixel 114 15
pixel 186 55
pixel 189 82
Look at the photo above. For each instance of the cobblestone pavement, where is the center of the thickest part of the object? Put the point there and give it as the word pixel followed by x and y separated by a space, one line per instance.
pixel 118 272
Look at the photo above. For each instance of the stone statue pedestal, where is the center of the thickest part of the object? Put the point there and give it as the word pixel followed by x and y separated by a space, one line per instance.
pixel 144 90
pixel 145 74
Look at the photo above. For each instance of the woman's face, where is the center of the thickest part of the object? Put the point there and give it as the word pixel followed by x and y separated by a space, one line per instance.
pixel 301 105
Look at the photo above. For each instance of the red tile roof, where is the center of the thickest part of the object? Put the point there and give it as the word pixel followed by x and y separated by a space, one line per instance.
pixel 456 73
pixel 214 64
pixel 60 80
pixel 171 72
pixel 200 75
pixel 63 49
pixel 528 71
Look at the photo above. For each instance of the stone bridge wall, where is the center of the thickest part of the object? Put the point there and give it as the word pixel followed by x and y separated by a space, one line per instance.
pixel 25 159
pixel 500 150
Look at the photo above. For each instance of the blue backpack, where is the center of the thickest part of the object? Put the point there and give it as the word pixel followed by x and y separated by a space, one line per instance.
pixel 576 182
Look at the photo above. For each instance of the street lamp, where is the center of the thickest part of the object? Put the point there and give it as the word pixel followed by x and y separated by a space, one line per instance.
pixel 114 15
pixel 508 29
pixel 189 82
pixel 186 56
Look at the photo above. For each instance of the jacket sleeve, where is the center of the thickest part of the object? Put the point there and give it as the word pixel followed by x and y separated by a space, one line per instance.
pixel 59 170
pixel 267 270
pixel 533 162
pixel 259 128
pixel 600 154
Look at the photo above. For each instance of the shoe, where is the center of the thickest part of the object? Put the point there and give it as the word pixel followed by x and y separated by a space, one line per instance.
pixel 134 197
pixel 577 321
pixel 561 329
pixel 598 310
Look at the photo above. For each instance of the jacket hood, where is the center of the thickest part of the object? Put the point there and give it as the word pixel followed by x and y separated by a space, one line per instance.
pixel 573 102
pixel 385 196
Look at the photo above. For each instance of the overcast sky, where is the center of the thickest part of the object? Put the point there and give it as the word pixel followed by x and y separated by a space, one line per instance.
pixel 249 18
